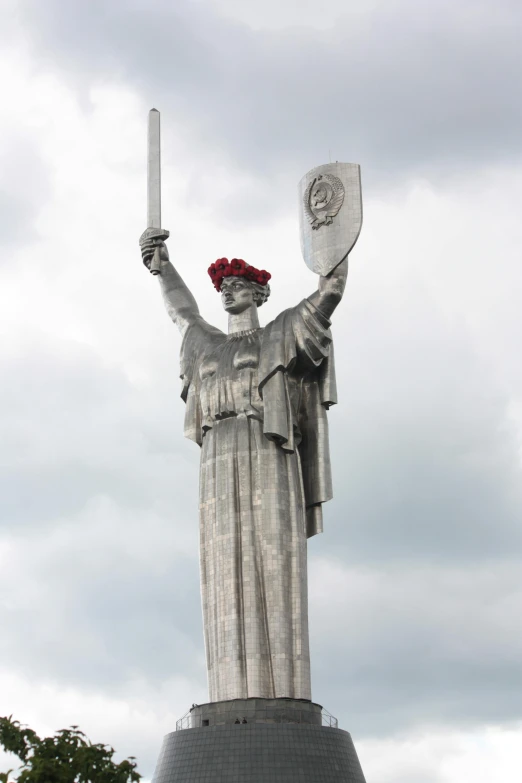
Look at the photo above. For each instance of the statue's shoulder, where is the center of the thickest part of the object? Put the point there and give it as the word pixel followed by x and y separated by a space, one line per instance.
pixel 198 328
pixel 198 337
pixel 286 317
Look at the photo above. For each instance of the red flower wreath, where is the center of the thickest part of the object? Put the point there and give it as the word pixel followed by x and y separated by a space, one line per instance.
pixel 237 267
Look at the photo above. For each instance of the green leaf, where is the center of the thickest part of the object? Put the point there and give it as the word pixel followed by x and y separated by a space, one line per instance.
pixel 67 757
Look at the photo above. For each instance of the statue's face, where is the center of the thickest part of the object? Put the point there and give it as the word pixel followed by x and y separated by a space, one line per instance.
pixel 237 295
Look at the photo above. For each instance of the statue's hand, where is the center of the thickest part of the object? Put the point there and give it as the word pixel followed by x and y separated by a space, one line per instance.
pixel 147 252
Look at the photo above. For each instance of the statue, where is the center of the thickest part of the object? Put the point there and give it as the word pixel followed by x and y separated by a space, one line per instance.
pixel 256 403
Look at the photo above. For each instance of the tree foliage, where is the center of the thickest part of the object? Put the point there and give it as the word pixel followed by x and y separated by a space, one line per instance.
pixel 67 757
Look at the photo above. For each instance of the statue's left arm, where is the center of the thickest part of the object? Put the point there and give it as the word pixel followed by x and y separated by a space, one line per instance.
pixel 331 289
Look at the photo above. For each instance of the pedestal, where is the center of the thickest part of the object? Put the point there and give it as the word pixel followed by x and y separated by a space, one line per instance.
pixel 258 741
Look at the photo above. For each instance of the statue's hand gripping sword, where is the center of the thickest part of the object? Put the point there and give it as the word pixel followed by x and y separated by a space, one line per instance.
pixel 154 230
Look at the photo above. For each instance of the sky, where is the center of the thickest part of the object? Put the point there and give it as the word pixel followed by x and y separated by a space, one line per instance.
pixel 415 585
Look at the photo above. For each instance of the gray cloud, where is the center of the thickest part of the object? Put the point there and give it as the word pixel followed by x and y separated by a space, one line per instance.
pixel 84 484
pixel 416 646
pixel 24 186
pixel 86 432
pixel 425 457
pixel 401 88
pixel 418 773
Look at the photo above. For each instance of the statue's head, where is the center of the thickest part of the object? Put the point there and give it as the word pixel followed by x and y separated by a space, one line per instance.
pixel 240 285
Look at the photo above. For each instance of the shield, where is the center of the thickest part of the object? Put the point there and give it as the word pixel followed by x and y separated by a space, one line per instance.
pixel 330 214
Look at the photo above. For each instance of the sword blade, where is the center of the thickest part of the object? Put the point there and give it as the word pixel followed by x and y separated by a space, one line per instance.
pixel 154 171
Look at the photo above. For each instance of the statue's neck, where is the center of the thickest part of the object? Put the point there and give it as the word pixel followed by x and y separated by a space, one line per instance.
pixel 241 322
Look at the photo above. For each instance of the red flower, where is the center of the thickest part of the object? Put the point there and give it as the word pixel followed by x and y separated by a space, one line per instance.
pixel 221 264
pixel 237 264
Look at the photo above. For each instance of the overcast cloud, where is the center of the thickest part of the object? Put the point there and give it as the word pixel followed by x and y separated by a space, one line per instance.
pixel 406 87
pixel 415 586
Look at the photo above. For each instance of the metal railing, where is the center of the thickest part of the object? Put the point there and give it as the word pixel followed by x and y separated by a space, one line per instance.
pixel 186 722
pixel 327 719
pixel 190 721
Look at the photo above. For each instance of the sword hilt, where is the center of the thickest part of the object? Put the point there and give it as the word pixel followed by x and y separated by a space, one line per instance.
pixel 155 233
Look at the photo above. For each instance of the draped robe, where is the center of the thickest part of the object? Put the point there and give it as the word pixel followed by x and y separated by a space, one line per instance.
pixel 256 403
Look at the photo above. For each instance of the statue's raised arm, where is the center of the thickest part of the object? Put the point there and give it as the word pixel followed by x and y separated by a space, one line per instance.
pixel 179 300
pixel 331 289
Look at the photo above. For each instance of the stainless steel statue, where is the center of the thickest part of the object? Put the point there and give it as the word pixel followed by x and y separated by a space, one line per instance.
pixel 256 401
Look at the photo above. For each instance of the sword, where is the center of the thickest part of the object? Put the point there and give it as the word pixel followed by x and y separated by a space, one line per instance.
pixel 154 230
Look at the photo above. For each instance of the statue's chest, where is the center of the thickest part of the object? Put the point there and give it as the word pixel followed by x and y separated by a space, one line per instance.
pixel 227 360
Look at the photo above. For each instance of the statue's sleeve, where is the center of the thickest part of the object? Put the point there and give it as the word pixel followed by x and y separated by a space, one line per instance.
pixel 318 392
pixel 198 337
pixel 315 351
